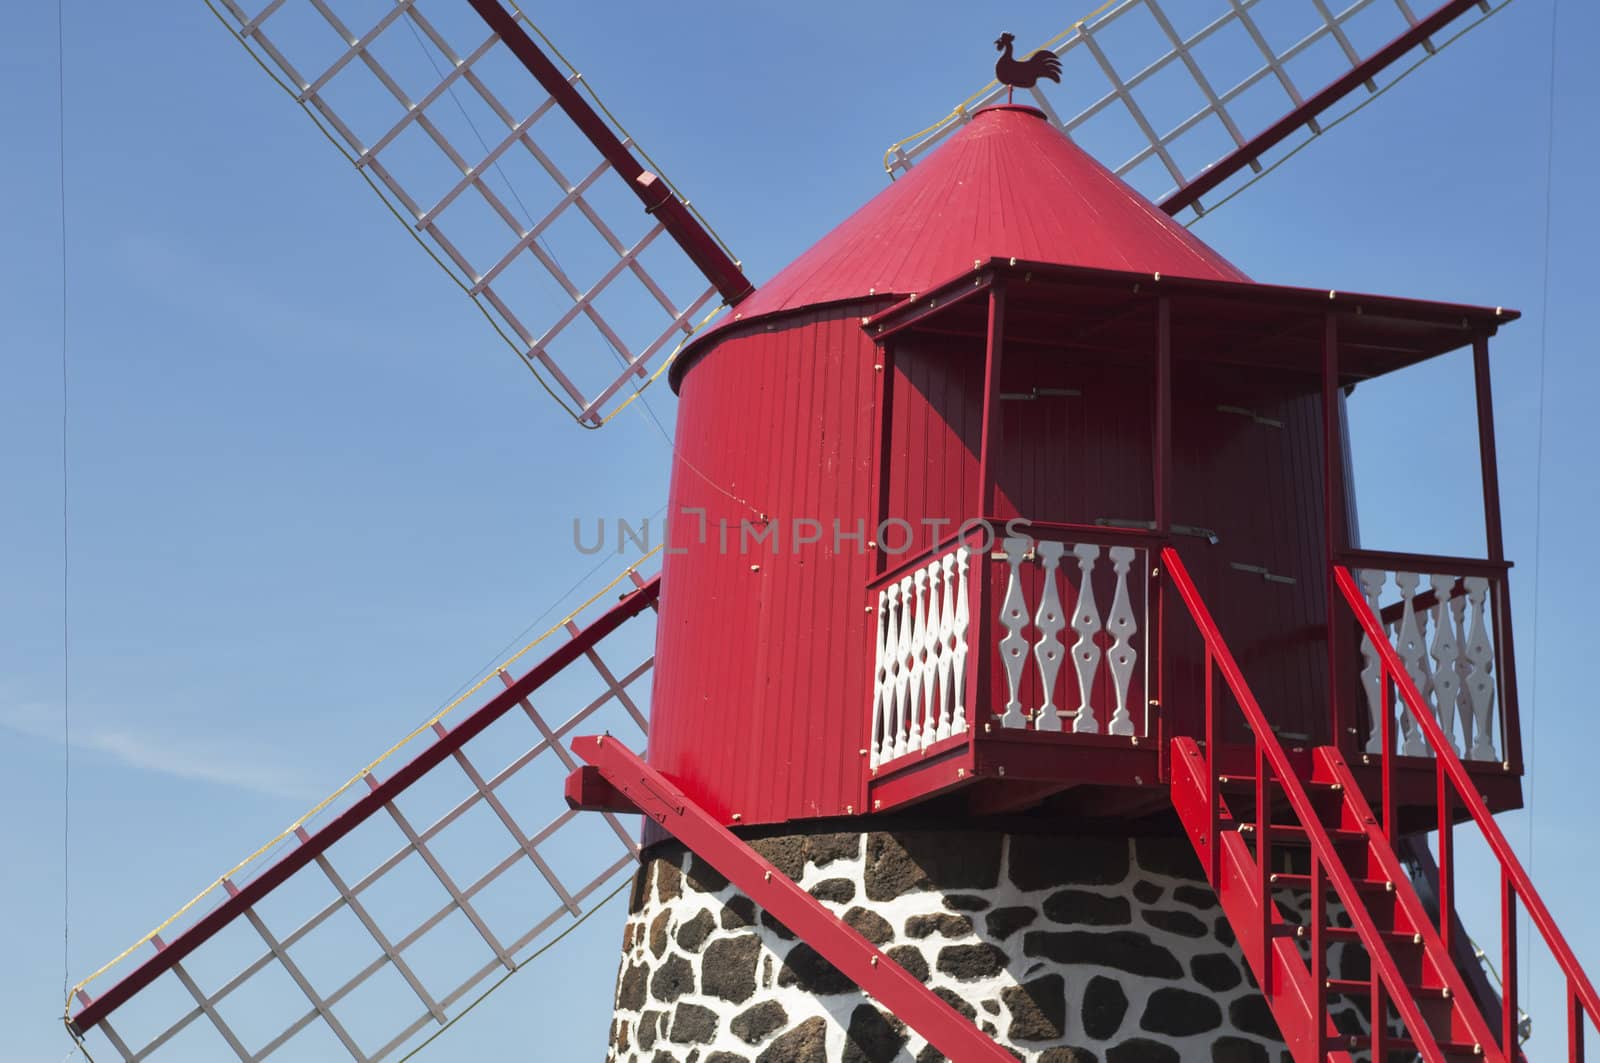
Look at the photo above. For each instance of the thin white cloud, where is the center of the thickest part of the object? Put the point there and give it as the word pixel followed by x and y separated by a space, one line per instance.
pixel 179 758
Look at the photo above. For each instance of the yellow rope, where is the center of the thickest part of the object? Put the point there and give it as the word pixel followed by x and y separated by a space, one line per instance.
pixel 362 774
pixel 665 365
pixel 961 108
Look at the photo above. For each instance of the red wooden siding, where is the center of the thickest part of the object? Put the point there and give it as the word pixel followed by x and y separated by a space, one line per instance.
pixel 762 691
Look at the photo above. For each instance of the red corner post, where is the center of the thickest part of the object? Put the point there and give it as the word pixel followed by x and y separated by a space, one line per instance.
pixel 886 981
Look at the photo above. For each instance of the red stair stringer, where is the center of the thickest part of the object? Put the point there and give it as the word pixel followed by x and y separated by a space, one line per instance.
pixel 876 974
pixel 1243 888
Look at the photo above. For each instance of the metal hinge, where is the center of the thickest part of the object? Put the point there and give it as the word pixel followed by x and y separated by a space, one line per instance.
pixel 1149 525
pixel 1245 411
pixel 1263 572
pixel 1038 393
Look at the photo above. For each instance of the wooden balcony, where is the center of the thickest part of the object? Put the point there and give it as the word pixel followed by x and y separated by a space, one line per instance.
pixel 1023 668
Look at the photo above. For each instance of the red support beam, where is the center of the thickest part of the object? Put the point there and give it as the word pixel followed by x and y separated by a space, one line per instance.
pixel 368 805
pixel 658 199
pixel 887 982
pixel 1274 134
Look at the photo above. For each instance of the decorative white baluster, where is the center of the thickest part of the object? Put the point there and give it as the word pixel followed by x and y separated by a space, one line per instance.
pixel 1458 614
pixel 1445 651
pixel 930 656
pixel 902 686
pixel 880 672
pixel 947 625
pixel 1086 652
pixel 1123 625
pixel 958 668
pixel 1014 617
pixel 891 674
pixel 1480 686
pixel 1409 645
pixel 1048 650
pixel 1372 581
pixel 916 709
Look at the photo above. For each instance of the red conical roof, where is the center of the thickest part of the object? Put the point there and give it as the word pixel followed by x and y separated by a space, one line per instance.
pixel 1007 185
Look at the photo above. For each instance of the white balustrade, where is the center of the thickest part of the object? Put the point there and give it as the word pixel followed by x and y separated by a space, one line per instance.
pixel 1447 649
pixel 919 681
pixel 1038 629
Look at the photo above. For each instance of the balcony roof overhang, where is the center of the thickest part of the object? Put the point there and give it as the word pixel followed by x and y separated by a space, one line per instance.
pixel 1079 310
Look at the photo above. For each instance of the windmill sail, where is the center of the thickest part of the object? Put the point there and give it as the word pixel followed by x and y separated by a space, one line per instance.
pixel 386 912
pixel 502 163
pixel 1179 99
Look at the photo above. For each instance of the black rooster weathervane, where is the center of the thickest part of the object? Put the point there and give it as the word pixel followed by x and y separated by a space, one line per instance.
pixel 1025 74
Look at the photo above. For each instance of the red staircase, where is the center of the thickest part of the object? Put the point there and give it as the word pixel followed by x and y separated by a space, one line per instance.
pixel 1291 837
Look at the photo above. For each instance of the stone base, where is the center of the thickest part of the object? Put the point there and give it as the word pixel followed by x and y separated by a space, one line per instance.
pixel 1064 949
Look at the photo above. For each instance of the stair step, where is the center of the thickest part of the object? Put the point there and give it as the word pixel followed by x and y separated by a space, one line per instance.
pixel 1357 987
pixel 1397 1043
pixel 1243 782
pixel 1350 935
pixel 1286 881
pixel 1296 835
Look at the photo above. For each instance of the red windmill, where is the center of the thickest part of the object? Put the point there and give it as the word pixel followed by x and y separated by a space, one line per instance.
pixel 997 709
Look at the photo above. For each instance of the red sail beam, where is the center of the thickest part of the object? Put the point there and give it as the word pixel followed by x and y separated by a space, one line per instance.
pixel 374 801
pixel 1313 106
pixel 658 199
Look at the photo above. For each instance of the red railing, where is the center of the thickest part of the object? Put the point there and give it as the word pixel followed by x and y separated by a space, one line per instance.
pixel 1455 788
pixel 1272 766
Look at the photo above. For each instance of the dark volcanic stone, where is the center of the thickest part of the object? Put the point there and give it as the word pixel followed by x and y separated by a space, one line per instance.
pixel 725 1057
pixel 640 889
pixel 1039 861
pixel 1176 923
pixel 872 1037
pixel 910 957
pixel 693 934
pixel 1088 909
pixel 1003 922
pixel 930 1054
pixel 658 933
pixel 905 861
pixel 787 854
pixel 729 968
pixel 1251 1014
pixel 824 849
pixel 869 924
pixel 837 890
pixel 739 911
pixel 965 902
pixel 957 1001
pixel 703 877
pixel 1238 1050
pixel 1216 971
pixel 1147 892
pixel 942 923
pixel 649 1028
pixel 805 968
pixel 1223 930
pixel 1038 1009
pixel 806 1043
pixel 1180 1013
pixel 755 1024
pixel 672 980
pixel 1195 897
pixel 968 963
pixel 669 880
pixel 772 923
pixel 693 1025
pixel 1168 856
pixel 1104 1007
pixel 1068 1055
pixel 1142 1050
pixel 992 1007
pixel 1123 950
pixel 631 987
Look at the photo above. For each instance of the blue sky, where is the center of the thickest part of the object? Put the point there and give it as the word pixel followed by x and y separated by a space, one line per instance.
pixel 311 495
